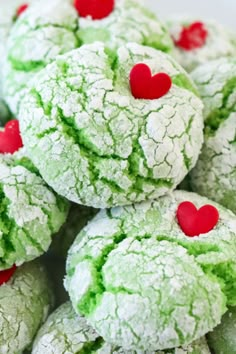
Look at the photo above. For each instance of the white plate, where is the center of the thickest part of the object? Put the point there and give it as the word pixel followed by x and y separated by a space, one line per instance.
pixel 223 11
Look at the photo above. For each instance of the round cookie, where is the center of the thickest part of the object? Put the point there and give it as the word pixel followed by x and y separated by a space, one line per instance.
pixel 95 143
pixel 223 339
pixel 54 27
pixel 8 15
pixel 215 173
pixel 25 301
pixel 77 218
pixel 197 41
pixel 30 212
pixel 64 331
pixel 142 283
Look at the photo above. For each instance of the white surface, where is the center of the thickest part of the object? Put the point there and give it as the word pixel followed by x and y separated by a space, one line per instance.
pixel 223 11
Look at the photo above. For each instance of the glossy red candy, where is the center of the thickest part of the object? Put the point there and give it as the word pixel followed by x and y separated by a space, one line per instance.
pixel 145 86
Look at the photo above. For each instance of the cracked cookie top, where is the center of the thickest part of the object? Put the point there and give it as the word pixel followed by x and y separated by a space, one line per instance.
pixel 25 302
pixel 30 212
pixel 143 284
pixel 65 331
pixel 199 41
pixel 215 172
pixel 97 145
pixel 7 18
pixel 50 28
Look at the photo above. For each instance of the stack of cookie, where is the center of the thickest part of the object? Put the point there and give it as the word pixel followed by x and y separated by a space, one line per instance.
pixel 113 113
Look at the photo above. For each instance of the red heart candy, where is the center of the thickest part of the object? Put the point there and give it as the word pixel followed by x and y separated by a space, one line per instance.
pixel 97 9
pixel 145 86
pixel 10 138
pixel 195 222
pixel 5 275
pixel 21 9
pixel 192 37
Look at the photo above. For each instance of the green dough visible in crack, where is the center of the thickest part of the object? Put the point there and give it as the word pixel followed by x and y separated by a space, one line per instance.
pixel 143 284
pixel 78 217
pixel 220 43
pixel 223 339
pixel 30 212
pixel 97 145
pixel 66 332
pixel 53 27
pixel 25 302
pixel 215 173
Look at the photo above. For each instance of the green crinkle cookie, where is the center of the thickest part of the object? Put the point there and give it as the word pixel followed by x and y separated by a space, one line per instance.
pixel 25 302
pixel 97 145
pixel 7 19
pixel 30 212
pixel 53 27
pixel 223 339
pixel 77 218
pixel 220 42
pixel 66 332
pixel 215 172
pixel 143 284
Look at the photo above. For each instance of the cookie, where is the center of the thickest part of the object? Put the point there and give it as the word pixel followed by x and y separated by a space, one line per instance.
pixel 9 13
pixel 215 173
pixel 64 331
pixel 198 41
pixel 30 212
pixel 98 136
pixel 25 301
pixel 155 275
pixel 54 27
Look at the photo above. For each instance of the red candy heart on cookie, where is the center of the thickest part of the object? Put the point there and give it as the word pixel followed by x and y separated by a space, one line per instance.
pixel 10 138
pixel 5 275
pixel 194 222
pixel 97 9
pixel 21 9
pixel 145 86
pixel 192 37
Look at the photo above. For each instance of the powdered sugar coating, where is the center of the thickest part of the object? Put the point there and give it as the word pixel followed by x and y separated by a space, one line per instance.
pixel 220 43
pixel 47 29
pixel 7 18
pixel 25 302
pixel 129 21
pixel 50 28
pixel 143 284
pixel 67 332
pixel 215 173
pixel 30 212
pixel 97 145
